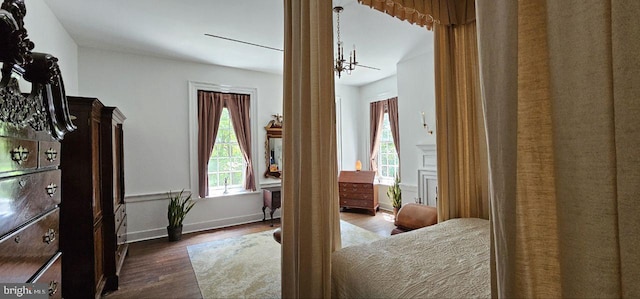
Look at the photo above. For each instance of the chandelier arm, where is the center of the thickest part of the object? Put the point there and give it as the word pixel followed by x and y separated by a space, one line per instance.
pixel 341 65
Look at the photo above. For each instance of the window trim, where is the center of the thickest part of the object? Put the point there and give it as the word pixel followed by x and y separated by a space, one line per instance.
pixel 193 129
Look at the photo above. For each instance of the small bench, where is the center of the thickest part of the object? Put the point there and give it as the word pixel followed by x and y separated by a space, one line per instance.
pixel 413 216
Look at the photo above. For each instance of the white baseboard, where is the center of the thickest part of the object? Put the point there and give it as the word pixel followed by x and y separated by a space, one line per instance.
pixel 194 227
pixel 386 207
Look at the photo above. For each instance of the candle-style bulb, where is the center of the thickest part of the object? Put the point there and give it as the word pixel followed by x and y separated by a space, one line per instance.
pixel 354 54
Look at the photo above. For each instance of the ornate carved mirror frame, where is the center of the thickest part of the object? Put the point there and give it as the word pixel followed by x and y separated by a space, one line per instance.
pixel 273 163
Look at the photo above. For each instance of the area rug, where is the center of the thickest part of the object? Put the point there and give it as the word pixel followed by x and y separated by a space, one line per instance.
pixel 249 266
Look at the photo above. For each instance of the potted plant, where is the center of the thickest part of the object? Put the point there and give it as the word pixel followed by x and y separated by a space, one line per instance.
pixel 178 208
pixel 395 194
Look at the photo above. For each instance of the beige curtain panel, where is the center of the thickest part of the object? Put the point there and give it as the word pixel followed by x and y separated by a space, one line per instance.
pixel 310 212
pixel 427 12
pixel 463 186
pixel 560 82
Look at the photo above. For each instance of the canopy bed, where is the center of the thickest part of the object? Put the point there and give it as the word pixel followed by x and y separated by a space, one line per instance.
pixel 446 260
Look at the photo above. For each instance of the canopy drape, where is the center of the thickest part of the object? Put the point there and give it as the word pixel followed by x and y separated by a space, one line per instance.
pixel 310 211
pixel 427 12
pixel 463 186
pixel 560 82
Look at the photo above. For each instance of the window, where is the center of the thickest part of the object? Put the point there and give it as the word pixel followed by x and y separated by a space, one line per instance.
pixel 226 160
pixel 387 156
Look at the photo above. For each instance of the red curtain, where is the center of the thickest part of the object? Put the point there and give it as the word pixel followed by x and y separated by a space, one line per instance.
pixel 376 115
pixel 238 105
pixel 210 106
pixel 392 109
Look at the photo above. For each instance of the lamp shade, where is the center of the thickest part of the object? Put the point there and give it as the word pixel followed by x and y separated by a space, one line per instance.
pixel 358 165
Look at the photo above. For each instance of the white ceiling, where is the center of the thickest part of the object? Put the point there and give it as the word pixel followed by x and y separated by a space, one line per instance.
pixel 176 29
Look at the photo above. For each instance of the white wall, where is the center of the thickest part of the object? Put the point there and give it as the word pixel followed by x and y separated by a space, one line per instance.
pixel 351 115
pixel 153 94
pixel 50 37
pixel 414 85
pixel 416 93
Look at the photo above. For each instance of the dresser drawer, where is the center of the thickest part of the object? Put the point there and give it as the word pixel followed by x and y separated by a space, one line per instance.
pixel 356 203
pixel 18 154
pixel 52 276
pixel 355 187
pixel 49 154
pixel 24 252
pixel 121 235
pixel 354 195
pixel 27 196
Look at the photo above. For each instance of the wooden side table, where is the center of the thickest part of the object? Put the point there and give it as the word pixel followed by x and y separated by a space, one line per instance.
pixel 270 198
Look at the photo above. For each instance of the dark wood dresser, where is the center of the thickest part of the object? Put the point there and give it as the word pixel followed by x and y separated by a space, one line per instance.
pixel 94 214
pixel 115 210
pixel 357 190
pixel 29 213
pixel 31 126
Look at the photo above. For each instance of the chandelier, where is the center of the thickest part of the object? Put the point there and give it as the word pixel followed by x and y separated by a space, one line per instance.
pixel 341 65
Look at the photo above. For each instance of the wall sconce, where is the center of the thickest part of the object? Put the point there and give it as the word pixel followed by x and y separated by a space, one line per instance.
pixel 358 165
pixel 424 124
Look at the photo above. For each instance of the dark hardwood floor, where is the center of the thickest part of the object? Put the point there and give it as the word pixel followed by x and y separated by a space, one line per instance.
pixel 161 269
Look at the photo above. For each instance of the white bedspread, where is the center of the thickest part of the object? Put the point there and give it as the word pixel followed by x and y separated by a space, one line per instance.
pixel 446 260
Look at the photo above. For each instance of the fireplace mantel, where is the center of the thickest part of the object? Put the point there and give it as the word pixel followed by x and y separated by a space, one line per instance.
pixel 427 175
pixel 429 156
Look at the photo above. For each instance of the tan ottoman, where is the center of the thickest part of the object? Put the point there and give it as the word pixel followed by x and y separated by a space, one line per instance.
pixel 277 235
pixel 413 216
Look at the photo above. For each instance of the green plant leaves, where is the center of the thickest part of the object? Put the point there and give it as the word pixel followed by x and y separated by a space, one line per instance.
pixel 178 208
pixel 395 193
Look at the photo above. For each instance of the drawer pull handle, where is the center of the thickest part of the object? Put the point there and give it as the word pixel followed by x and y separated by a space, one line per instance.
pixel 22 183
pixel 19 154
pixel 52 154
pixel 17 239
pixel 51 189
pixel 49 236
pixel 53 287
